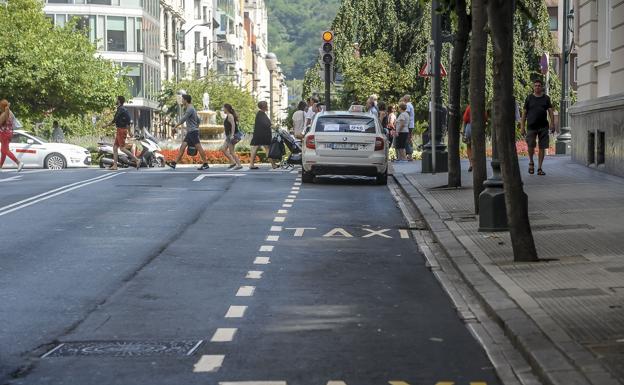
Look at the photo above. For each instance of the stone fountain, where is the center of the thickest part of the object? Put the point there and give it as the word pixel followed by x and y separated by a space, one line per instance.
pixel 209 130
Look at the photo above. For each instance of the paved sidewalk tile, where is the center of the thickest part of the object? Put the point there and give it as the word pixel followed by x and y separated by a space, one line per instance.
pixel 577 217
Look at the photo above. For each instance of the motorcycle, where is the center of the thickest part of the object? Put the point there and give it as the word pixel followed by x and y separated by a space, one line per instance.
pixel 150 156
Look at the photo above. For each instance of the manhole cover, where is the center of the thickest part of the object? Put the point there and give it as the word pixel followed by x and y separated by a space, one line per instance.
pixel 124 348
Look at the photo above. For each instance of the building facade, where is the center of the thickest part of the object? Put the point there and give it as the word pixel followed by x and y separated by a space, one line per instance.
pixel 126 32
pixel 597 118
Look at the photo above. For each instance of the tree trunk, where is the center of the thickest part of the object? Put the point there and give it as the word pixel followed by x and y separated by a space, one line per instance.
pixel 478 52
pixel 500 14
pixel 457 62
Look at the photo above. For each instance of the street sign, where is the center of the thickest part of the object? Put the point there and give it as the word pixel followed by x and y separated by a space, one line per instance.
pixel 425 71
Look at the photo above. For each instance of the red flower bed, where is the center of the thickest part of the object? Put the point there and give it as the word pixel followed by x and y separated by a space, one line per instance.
pixel 213 157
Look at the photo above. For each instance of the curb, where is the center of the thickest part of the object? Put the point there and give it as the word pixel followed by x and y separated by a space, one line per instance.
pixel 554 357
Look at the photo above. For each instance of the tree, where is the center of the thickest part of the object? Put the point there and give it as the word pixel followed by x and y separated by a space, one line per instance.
pixel 478 53
pixel 500 15
pixel 455 113
pixel 51 70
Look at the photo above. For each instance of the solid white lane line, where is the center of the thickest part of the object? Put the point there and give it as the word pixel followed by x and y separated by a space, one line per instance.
pixel 289 201
pixel 202 176
pixel 236 312
pixel 254 274
pixel 16 177
pixel 262 261
pixel 276 228
pixel 273 238
pixel 266 248
pixel 254 383
pixel 404 233
pixel 287 205
pixel 223 335
pixel 246 291
pixel 47 195
pixel 208 364
pixel 279 219
pixel 282 211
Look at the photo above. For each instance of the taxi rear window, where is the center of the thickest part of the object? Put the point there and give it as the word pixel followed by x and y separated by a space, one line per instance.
pixel 345 124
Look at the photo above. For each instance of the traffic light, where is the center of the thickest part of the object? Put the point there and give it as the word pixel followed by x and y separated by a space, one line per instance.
pixel 327 49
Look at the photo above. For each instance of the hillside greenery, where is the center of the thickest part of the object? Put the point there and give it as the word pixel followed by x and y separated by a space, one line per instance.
pixel 295 28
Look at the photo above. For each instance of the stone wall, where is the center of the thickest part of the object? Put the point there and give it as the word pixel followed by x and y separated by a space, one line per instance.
pixel 598 133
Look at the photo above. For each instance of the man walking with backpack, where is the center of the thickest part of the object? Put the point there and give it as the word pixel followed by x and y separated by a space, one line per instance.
pixel 122 122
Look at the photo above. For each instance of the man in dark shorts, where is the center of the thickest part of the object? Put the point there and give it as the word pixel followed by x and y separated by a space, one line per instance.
pixel 122 121
pixel 535 125
pixel 192 133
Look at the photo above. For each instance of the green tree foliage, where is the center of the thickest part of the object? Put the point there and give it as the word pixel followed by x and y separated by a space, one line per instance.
pixel 295 28
pixel 47 70
pixel 220 90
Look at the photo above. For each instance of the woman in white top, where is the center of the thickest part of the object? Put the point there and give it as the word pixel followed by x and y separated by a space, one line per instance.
pixel 299 120
pixel 402 127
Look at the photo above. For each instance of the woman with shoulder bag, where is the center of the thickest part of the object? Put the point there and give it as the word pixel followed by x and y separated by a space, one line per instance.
pixel 232 135
pixel 7 120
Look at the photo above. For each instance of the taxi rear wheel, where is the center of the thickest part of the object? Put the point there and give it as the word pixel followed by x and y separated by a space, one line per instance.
pixel 382 179
pixel 307 177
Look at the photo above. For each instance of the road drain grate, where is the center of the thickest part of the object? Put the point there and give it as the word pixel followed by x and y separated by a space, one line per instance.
pixel 124 348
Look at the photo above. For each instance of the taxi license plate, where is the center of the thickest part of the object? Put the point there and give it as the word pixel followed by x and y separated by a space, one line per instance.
pixel 342 146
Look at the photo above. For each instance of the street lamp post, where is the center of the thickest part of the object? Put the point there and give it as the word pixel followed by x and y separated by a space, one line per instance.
pixel 564 139
pixel 179 37
pixel 271 61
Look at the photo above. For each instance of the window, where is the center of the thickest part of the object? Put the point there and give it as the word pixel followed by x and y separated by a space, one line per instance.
pixel 131 35
pixel 197 41
pixel 101 40
pixel 100 2
pixel 134 72
pixel 116 33
pixel 183 40
pixel 197 9
pixel 574 71
pixel 60 1
pixel 346 124
pixel 139 34
pixel 554 23
pixel 205 46
pixel 60 20
pixel 166 30
pixel 197 70
pixel 205 14
pixel 132 3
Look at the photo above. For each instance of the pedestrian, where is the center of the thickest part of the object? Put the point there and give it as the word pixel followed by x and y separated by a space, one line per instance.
pixel 371 106
pixel 402 127
pixel 299 120
pixel 409 147
pixel 121 120
pixel 310 112
pixel 383 114
pixel 467 135
pixel 261 134
pixel 537 118
pixel 191 139
pixel 57 133
pixel 7 122
pixel 391 121
pixel 231 129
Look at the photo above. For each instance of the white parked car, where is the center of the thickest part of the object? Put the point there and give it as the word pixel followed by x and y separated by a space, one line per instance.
pixel 37 153
pixel 345 143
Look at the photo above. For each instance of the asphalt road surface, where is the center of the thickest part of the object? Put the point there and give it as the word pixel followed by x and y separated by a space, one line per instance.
pixel 247 277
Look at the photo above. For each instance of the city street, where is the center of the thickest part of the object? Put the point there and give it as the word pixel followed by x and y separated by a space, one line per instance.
pixel 218 277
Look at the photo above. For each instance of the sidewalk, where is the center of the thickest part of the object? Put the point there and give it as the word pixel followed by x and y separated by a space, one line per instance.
pixel 566 316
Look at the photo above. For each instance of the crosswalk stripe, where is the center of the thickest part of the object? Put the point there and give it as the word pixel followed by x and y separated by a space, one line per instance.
pixel 478 383
pixel 398 383
pixel 254 274
pixel 445 383
pixel 262 261
pixel 208 364
pixel 245 291
pixel 236 312
pixel 254 383
pixel 336 383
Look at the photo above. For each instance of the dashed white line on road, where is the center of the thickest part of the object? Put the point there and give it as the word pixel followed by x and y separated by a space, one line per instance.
pixel 254 383
pixel 279 219
pixel 297 183
pixel 245 291
pixel 272 238
pixel 276 228
pixel 295 192
pixel 254 274
pixel 236 312
pixel 262 261
pixel 209 364
pixel 292 197
pixel 404 233
pixel 202 176
pixel 287 205
pixel 289 201
pixel 282 211
pixel 336 383
pixel 223 335
pixel 296 188
pixel 266 248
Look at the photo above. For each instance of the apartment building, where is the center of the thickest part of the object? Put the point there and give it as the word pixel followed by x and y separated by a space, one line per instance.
pixel 598 115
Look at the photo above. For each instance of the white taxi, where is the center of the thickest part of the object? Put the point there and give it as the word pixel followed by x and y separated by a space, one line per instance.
pixel 345 143
pixel 37 153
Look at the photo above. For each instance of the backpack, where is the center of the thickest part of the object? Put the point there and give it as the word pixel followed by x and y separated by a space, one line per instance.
pixel 124 118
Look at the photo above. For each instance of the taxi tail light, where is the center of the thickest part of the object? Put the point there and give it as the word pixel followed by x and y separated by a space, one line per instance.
pixel 310 142
pixel 379 143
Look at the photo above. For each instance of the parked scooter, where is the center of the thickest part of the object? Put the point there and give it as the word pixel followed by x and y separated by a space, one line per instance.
pixel 150 155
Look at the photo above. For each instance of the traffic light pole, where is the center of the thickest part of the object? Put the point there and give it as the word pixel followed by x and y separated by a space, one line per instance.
pixel 327 87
